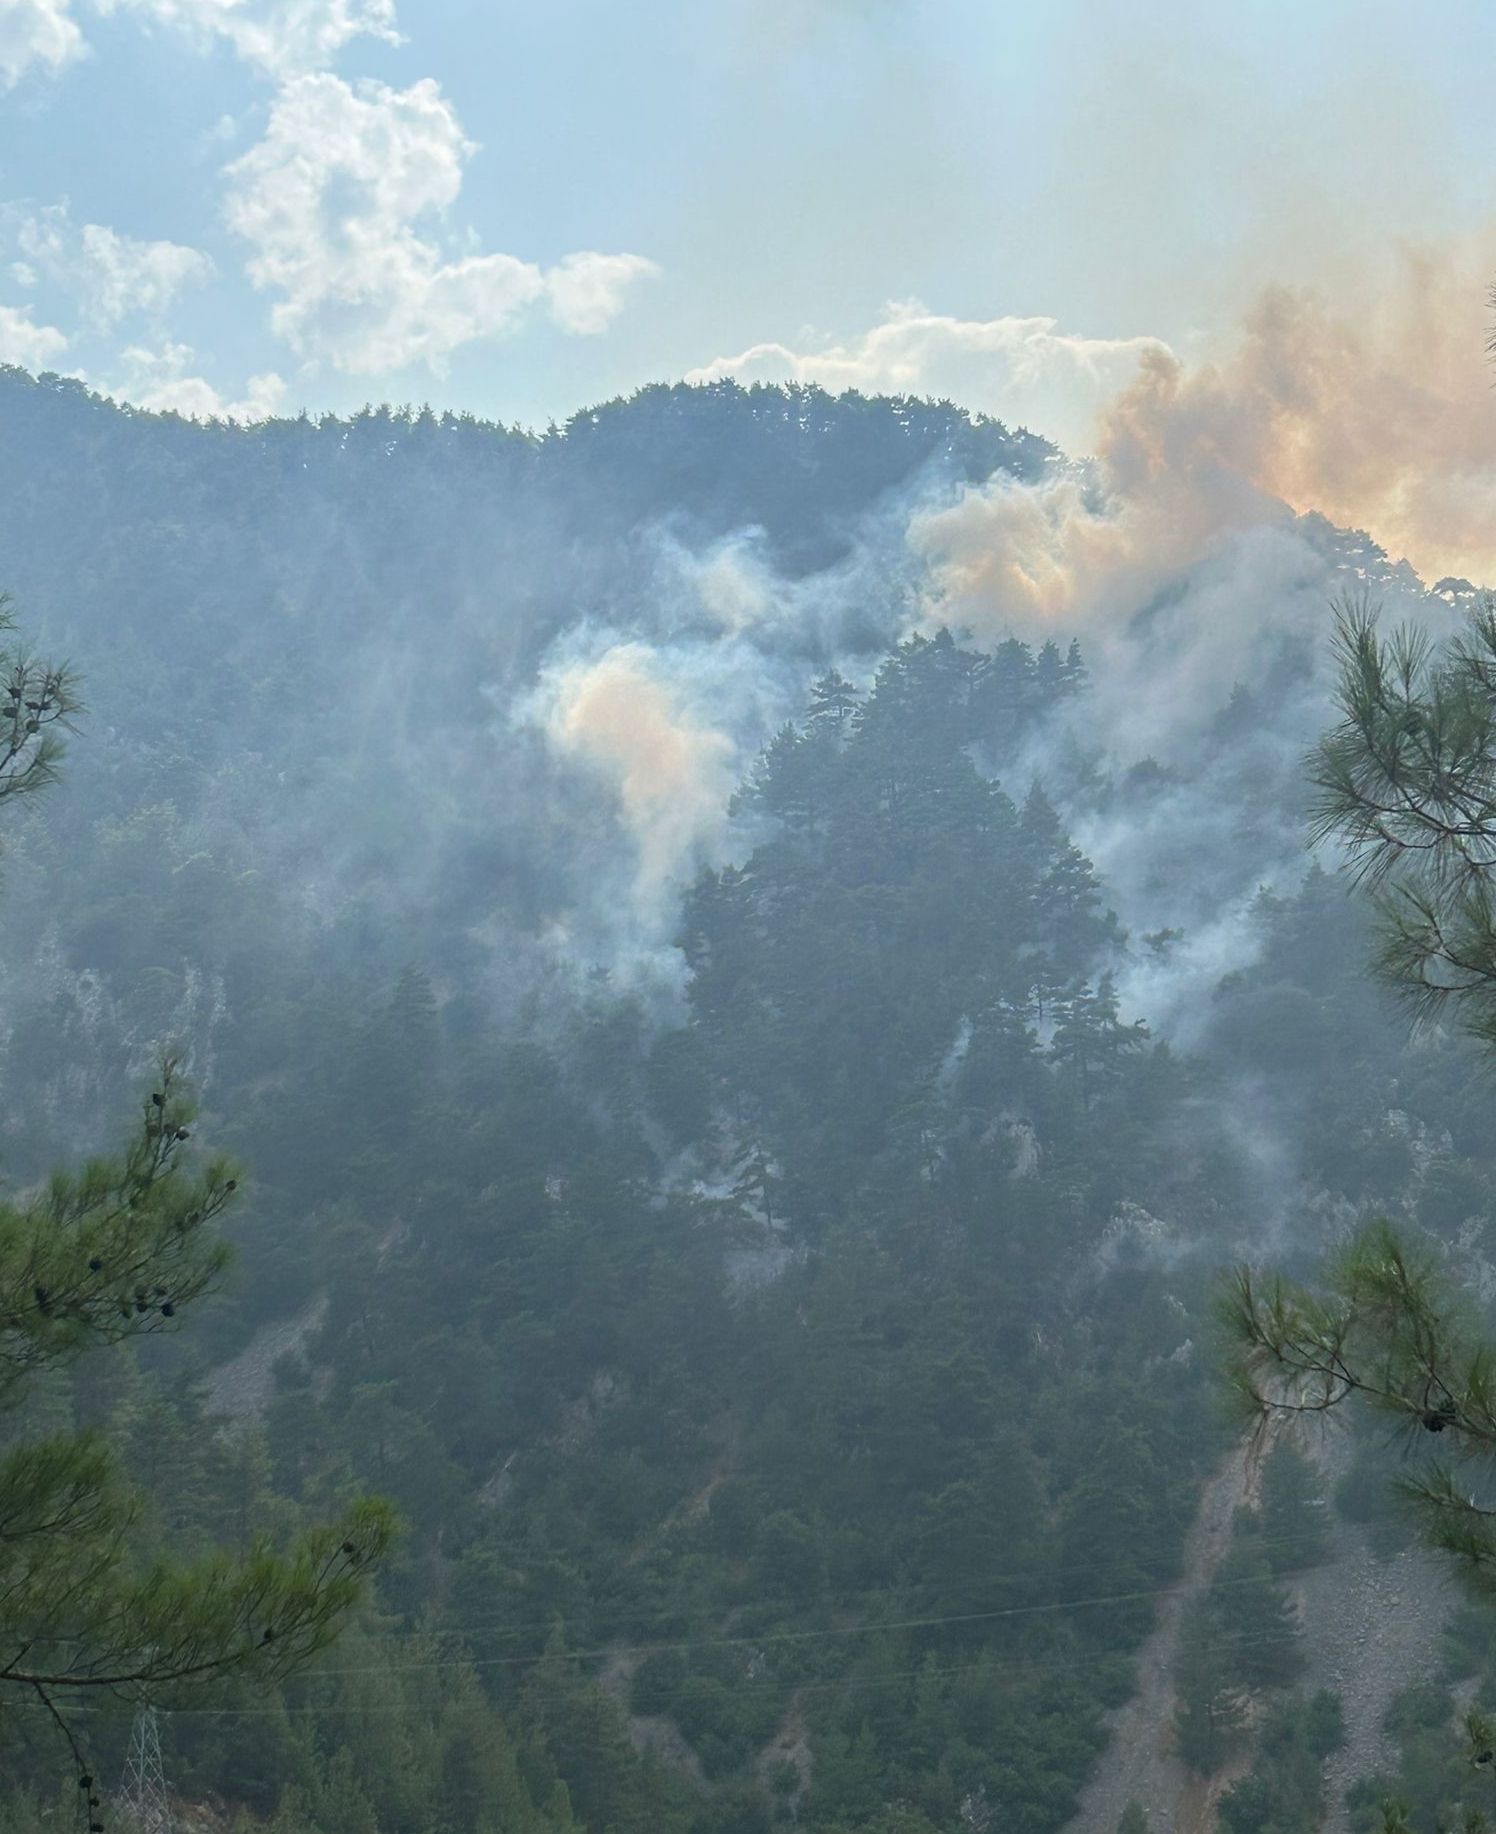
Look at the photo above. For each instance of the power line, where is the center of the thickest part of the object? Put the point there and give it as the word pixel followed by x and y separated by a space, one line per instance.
pixel 464 1661
pixel 1036 1576
pixel 1036 1666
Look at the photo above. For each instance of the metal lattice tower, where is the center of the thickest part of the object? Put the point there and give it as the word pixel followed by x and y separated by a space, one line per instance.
pixel 141 1800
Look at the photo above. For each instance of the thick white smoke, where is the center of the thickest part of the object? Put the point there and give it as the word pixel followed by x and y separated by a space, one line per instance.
pixel 1179 554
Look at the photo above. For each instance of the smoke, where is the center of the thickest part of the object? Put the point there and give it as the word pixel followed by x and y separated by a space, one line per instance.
pixel 666 703
pixel 1203 607
pixel 1388 425
pixel 1182 556
pixel 1379 417
pixel 671 773
pixel 1080 549
pixel 730 591
pixel 1176 553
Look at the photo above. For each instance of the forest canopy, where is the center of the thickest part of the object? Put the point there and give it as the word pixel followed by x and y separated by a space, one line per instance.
pixel 771 1292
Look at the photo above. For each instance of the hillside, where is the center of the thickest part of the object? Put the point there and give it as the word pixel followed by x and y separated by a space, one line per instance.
pixel 747 1084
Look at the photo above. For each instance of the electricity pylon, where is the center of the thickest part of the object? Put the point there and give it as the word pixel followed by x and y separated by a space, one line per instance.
pixel 142 1789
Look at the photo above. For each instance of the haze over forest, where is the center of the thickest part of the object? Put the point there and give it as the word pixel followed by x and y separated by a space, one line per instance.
pixel 741 901
pixel 753 1045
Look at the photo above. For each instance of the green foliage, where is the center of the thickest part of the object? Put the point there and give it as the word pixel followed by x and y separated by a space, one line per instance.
pixel 93 1259
pixel 111 1252
pixel 1386 1330
pixel 902 897
pixel 1324 1724
pixel 1442 1782
pixel 1407 781
pixel 1283 1794
pixel 748 1492
pixel 1238 1639
pixel 1292 1512
pixel 37 701
pixel 805 1349
pixel 1368 1493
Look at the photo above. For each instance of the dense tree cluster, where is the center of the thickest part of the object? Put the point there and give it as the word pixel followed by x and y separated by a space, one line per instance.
pixel 734 1360
pixel 794 1396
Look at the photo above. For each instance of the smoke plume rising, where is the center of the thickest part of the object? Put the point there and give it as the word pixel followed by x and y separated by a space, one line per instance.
pixel 672 773
pixel 1378 414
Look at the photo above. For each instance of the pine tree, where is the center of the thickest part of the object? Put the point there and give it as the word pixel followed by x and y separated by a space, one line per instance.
pixel 37 700
pixel 1091 1041
pixel 1210 1713
pixel 1051 677
pixel 1406 782
pixel 1293 1510
pixel 833 700
pixel 94 1258
pixel 785 781
pixel 1383 1328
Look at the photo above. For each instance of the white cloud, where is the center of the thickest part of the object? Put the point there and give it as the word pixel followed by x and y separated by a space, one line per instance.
pixel 330 202
pixel 31 346
pixel 587 290
pixel 158 380
pixel 284 38
pixel 328 199
pixel 1022 369
pixel 36 32
pixel 110 275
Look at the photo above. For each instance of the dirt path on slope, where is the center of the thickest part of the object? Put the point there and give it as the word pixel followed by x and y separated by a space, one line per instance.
pixel 1139 1764
pixel 1371 1628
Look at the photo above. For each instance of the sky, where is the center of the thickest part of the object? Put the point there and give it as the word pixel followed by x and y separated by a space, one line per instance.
pixel 255 206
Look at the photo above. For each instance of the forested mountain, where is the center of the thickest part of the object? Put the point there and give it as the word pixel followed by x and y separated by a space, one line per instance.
pixel 766 1255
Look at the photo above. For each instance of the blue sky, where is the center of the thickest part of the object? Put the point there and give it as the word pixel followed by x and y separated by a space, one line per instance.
pixel 247 205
